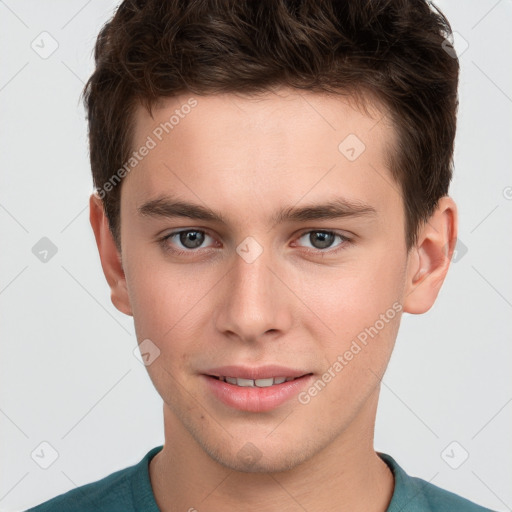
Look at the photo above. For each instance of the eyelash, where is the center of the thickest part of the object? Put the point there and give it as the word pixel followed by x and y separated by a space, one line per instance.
pixel 178 252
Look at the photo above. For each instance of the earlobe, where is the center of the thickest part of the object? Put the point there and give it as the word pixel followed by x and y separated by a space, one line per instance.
pixel 429 260
pixel 109 256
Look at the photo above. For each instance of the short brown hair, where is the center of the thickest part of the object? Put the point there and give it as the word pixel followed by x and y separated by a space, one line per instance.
pixel 392 49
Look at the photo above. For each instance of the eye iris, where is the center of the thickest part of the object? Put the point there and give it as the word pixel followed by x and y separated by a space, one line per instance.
pixel 324 238
pixel 195 237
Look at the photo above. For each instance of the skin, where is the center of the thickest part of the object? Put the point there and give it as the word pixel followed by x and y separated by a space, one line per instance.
pixel 246 157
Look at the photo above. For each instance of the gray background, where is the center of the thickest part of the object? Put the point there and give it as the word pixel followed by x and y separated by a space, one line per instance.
pixel 68 375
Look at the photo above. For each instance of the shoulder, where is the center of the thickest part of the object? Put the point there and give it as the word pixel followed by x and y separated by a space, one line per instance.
pixel 120 491
pixel 112 488
pixel 441 500
pixel 417 495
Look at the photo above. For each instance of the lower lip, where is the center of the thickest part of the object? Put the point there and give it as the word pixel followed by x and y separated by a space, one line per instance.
pixel 254 399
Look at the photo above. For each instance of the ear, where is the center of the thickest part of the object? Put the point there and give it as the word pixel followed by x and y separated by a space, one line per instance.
pixel 429 259
pixel 109 256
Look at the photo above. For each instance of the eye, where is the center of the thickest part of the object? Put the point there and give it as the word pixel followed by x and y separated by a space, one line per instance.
pixel 190 239
pixel 321 240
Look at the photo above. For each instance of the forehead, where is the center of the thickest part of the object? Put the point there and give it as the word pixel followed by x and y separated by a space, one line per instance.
pixel 275 146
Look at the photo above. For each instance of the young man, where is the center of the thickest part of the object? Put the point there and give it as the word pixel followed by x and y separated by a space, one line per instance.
pixel 272 183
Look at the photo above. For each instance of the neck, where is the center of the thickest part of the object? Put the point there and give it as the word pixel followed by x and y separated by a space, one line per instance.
pixel 346 475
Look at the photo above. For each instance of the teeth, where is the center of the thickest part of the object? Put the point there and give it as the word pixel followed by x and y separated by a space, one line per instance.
pixel 258 383
pixel 264 383
pixel 245 383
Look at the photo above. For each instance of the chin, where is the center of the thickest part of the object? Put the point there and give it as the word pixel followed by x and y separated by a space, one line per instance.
pixel 251 459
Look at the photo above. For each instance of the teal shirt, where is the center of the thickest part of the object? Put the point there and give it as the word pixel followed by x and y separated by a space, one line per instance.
pixel 129 490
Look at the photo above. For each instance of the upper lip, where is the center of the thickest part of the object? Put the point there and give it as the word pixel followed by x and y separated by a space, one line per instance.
pixel 259 372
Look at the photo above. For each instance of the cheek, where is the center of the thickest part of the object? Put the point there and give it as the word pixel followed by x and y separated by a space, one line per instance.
pixel 357 291
pixel 163 311
pixel 360 303
pixel 167 301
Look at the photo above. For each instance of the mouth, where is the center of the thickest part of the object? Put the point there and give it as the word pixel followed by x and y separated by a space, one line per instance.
pixel 252 389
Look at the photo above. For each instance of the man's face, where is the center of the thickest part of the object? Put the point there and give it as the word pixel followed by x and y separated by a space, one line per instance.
pixel 252 291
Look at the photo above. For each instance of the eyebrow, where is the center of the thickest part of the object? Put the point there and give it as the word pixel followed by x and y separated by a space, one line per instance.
pixel 168 207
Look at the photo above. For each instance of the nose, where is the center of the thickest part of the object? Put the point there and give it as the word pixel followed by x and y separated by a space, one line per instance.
pixel 255 303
